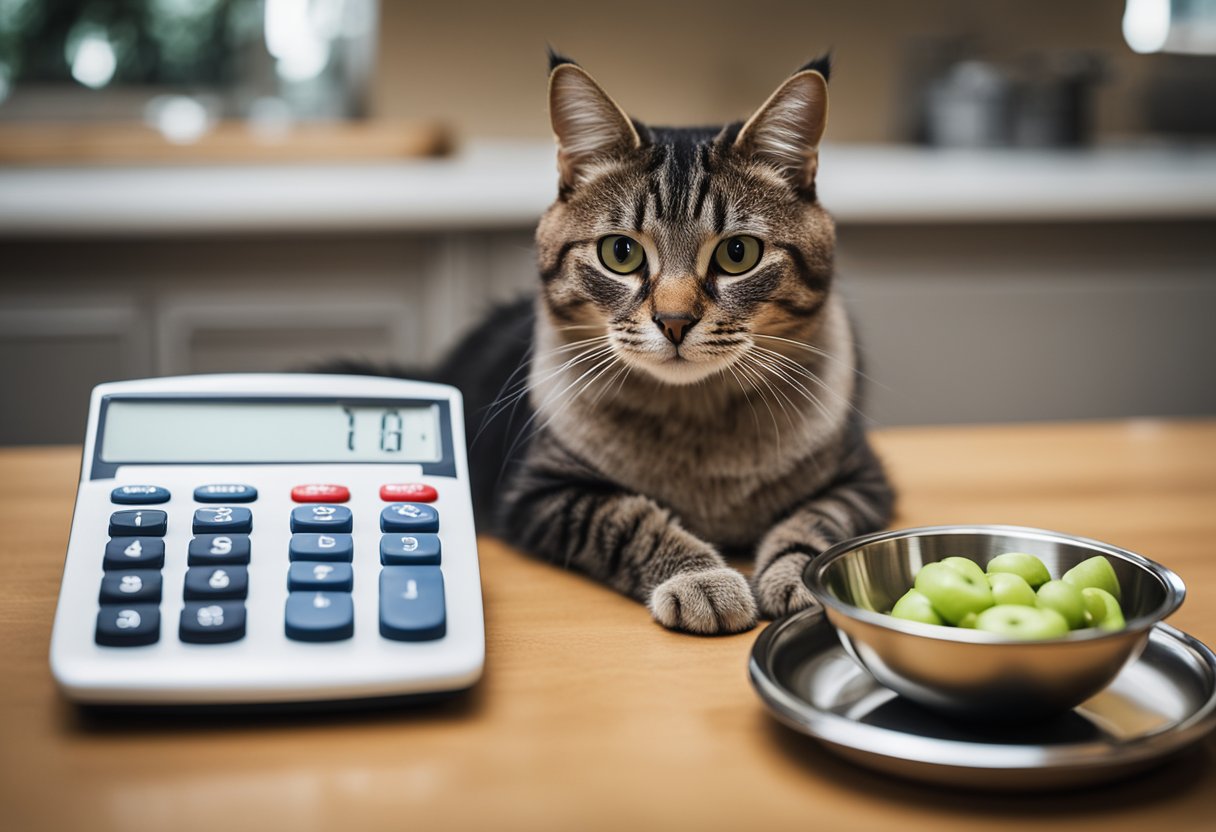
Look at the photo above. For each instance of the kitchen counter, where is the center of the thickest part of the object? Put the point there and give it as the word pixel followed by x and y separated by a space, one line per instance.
pixel 492 185
pixel 590 715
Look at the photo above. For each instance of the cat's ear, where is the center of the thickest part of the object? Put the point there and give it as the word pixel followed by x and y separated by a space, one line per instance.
pixel 786 130
pixel 587 124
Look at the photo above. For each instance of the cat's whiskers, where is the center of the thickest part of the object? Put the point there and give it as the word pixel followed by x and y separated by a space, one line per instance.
pixel 529 360
pixel 789 372
pixel 800 344
pixel 821 352
pixel 796 386
pixel 746 397
pixel 754 381
pixel 813 457
pixel 599 370
pixel 780 394
pixel 553 398
pixel 571 327
pixel 789 365
pixel 488 410
pixel 583 347
pixel 596 374
pixel 621 384
pixel 531 383
pixel 510 398
pixel 608 385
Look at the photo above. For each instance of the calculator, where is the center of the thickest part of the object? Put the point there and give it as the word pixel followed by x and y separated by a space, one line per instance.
pixel 270 538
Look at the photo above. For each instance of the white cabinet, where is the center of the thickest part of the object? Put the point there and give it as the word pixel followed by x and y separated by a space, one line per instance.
pixel 76 313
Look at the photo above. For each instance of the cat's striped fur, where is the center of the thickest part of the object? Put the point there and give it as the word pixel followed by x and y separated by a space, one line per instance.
pixel 643 452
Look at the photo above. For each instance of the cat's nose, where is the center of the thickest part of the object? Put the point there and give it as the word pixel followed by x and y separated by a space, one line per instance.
pixel 675 327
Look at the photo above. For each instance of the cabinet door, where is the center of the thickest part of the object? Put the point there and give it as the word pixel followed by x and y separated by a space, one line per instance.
pixel 243 331
pixel 53 352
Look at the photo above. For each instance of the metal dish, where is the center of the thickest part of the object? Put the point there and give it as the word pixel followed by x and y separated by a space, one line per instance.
pixel 1160 703
pixel 964 672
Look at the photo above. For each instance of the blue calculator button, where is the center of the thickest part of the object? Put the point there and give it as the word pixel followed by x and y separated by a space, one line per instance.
pixel 145 522
pixel 131 586
pixel 212 622
pixel 225 493
pixel 206 583
pixel 304 575
pixel 128 625
pixel 316 546
pixel 320 616
pixel 411 603
pixel 134 553
pixel 321 518
pixel 214 549
pixel 223 519
pixel 410 549
pixel 139 495
pixel 409 517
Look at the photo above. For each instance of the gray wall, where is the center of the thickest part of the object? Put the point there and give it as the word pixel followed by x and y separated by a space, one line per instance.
pixel 1011 323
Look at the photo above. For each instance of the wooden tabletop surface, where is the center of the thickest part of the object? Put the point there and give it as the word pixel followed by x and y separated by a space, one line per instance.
pixel 590 715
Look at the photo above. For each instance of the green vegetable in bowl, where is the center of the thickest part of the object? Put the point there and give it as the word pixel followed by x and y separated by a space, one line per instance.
pixel 1065 599
pixel 954 592
pixel 1028 567
pixel 1016 597
pixel 1096 572
pixel 915 606
pixel 1021 622
pixel 1102 609
pixel 1008 588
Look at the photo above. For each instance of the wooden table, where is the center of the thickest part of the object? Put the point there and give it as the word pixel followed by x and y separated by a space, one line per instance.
pixel 590 715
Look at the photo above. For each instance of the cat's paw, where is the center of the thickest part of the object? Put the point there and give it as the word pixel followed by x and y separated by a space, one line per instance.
pixel 780 590
pixel 709 602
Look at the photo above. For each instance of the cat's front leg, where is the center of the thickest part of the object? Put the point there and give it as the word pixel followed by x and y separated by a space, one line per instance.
pixel 858 503
pixel 631 543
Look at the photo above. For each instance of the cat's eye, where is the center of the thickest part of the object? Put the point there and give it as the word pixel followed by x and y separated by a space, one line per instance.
pixel 621 254
pixel 736 255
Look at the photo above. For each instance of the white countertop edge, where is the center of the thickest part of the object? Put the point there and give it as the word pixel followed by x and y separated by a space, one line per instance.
pixel 506 185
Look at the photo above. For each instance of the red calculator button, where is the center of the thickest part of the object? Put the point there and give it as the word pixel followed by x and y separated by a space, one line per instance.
pixel 410 492
pixel 320 493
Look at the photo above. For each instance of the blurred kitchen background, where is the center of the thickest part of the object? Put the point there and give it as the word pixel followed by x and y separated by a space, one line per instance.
pixel 1025 191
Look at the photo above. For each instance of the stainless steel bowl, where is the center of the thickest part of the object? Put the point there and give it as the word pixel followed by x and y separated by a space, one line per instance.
pixel 971 673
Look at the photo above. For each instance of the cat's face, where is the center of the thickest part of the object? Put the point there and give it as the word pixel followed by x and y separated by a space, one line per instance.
pixel 681 247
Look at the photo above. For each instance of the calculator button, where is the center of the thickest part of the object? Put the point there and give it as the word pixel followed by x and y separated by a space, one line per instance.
pixel 139 495
pixel 225 493
pixel 339 577
pixel 149 522
pixel 411 603
pixel 327 547
pixel 206 583
pixel 409 517
pixel 409 549
pixel 134 553
pixel 212 622
pixel 128 625
pixel 320 493
pixel 414 492
pixel 131 586
pixel 320 616
pixel 223 519
pixel 216 549
pixel 321 519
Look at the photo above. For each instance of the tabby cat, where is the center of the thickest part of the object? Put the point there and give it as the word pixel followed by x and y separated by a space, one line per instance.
pixel 686 382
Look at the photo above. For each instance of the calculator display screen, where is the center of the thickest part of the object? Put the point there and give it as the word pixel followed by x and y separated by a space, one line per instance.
pixel 207 431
